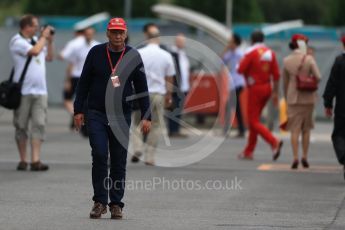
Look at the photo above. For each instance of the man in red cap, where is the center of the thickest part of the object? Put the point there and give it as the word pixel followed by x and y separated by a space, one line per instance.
pixel 111 69
pixel 335 90
pixel 258 66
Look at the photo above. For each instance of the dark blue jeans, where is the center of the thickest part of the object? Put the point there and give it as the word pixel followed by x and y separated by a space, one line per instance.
pixel 175 116
pixel 103 143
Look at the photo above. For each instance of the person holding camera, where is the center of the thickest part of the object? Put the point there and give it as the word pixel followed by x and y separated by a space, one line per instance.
pixel 25 46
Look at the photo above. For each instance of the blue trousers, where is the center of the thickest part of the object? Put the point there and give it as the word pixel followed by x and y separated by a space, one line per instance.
pixel 174 124
pixel 103 143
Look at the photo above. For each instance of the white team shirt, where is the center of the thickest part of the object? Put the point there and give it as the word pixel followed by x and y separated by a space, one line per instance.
pixel 75 52
pixel 35 77
pixel 158 64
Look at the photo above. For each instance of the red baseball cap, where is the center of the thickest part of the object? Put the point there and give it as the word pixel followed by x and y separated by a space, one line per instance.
pixel 117 24
pixel 297 37
pixel 343 39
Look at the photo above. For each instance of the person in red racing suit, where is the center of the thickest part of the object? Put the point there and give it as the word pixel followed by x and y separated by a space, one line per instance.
pixel 260 68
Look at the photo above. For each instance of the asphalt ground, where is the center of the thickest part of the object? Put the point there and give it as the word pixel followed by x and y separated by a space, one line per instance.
pixel 218 192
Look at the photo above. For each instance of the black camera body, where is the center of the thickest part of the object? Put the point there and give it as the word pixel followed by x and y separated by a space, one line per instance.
pixel 52 31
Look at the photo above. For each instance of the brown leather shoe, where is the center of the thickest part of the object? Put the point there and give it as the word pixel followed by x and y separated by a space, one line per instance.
pixel 22 166
pixel 38 166
pixel 116 211
pixel 97 210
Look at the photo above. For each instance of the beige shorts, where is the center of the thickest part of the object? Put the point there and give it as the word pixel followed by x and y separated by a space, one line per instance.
pixel 32 110
pixel 300 117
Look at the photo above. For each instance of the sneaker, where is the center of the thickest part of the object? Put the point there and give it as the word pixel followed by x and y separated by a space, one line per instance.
pixel 22 166
pixel 97 210
pixel 116 211
pixel 38 166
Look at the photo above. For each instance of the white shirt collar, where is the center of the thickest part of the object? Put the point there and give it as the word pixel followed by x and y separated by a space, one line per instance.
pixel 153 44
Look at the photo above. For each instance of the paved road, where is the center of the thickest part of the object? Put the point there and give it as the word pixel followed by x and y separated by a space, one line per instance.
pixel 219 192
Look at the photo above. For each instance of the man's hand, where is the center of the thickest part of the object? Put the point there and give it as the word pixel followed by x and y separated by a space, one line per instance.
pixel 78 121
pixel 46 33
pixel 168 101
pixel 145 126
pixel 329 112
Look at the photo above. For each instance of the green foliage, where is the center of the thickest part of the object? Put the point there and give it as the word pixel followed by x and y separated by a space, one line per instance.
pixel 247 11
pixel 87 7
pixel 9 8
pixel 336 13
pixel 243 10
pixel 73 7
pixel 214 9
pixel 142 8
pixel 327 12
pixel 311 11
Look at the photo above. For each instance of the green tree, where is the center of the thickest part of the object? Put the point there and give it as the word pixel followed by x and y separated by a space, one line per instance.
pixel 335 15
pixel 9 8
pixel 243 10
pixel 75 7
pixel 247 11
pixel 311 11
pixel 327 12
pixel 142 8
pixel 87 7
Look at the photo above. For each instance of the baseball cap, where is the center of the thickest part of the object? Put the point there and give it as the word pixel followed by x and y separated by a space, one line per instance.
pixel 297 37
pixel 343 39
pixel 117 24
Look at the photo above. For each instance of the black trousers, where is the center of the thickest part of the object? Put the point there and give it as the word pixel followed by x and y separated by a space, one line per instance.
pixel 229 104
pixel 338 137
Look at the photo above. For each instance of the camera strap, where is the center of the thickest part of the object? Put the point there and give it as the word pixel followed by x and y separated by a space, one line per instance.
pixel 28 60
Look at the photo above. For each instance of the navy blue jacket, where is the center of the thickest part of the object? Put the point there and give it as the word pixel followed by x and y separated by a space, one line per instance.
pixel 335 87
pixel 96 87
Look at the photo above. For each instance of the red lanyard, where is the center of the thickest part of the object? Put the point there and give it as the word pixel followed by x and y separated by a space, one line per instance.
pixel 113 69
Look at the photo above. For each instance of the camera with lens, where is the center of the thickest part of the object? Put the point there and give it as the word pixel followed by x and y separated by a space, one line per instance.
pixel 52 30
